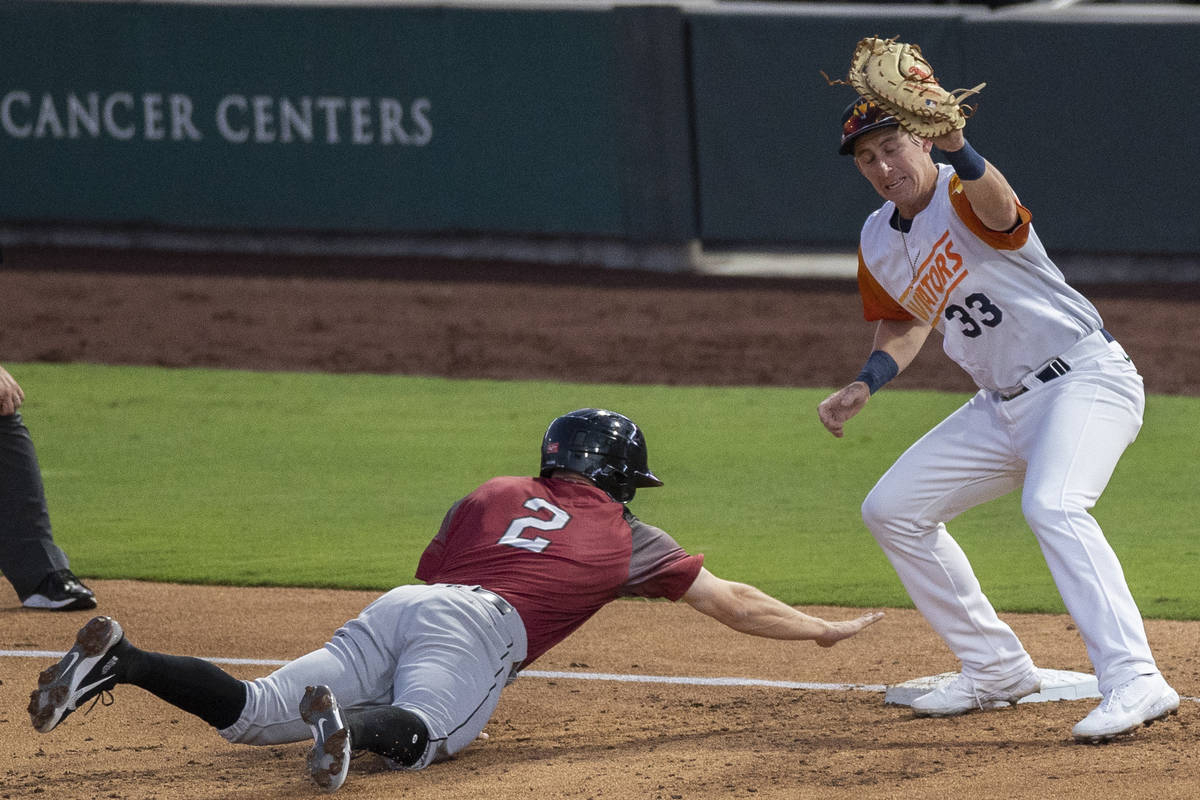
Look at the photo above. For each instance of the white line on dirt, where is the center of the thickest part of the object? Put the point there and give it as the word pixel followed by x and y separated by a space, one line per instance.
pixel 533 673
pixel 586 676
pixel 608 676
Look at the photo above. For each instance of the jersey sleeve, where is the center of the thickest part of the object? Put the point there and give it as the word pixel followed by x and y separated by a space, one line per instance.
pixel 877 303
pixel 659 567
pixel 998 240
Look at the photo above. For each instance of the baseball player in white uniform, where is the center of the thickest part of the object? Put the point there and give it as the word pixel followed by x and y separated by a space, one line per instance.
pixel 953 250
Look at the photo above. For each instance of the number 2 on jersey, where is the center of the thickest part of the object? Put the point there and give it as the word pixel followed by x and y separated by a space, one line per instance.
pixel 558 520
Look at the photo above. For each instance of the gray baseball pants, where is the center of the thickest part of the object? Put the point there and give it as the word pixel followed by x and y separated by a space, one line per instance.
pixel 443 652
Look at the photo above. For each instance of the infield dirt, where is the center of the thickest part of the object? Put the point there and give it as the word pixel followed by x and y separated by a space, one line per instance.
pixel 556 737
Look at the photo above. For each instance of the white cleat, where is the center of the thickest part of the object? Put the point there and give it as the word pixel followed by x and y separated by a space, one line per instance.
pixel 965 694
pixel 1137 702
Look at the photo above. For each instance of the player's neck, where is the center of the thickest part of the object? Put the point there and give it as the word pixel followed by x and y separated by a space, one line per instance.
pixel 572 477
pixel 900 222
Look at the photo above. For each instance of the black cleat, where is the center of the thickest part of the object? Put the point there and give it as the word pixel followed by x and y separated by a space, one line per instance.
pixel 83 673
pixel 329 759
pixel 61 591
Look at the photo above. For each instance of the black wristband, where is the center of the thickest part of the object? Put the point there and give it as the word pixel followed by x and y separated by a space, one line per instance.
pixel 969 165
pixel 879 369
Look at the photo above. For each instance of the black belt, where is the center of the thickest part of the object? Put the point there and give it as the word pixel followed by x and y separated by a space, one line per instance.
pixel 1054 369
pixel 502 605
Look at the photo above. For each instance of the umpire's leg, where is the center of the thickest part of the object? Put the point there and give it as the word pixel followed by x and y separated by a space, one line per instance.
pixel 27 549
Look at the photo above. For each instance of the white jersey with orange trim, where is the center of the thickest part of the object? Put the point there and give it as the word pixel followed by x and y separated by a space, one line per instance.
pixel 1002 306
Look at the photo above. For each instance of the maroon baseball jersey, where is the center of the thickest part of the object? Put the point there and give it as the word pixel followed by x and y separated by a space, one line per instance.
pixel 557 550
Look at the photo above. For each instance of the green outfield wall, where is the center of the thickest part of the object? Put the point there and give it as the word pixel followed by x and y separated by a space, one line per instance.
pixel 767 122
pixel 655 124
pixel 1063 114
pixel 349 119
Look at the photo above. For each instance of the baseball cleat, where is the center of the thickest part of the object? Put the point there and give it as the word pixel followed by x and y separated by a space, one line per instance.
pixel 83 673
pixel 1141 701
pixel 965 694
pixel 329 758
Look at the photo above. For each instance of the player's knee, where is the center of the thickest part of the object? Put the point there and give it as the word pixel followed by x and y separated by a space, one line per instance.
pixel 394 733
pixel 1046 509
pixel 889 515
pixel 878 509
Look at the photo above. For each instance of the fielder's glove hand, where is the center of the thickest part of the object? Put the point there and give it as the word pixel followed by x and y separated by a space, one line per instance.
pixel 899 79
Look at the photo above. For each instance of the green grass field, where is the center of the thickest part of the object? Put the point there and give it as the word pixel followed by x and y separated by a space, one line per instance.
pixel 242 478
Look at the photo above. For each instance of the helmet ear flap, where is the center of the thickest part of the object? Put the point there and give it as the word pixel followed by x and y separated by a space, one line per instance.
pixel 617 481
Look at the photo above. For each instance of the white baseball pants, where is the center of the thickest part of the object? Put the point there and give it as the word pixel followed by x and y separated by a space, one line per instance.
pixel 1059 443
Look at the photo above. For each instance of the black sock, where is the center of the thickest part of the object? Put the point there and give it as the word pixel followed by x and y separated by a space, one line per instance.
pixel 391 732
pixel 192 684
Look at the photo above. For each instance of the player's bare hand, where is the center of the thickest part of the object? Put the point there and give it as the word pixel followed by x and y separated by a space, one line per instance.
pixel 847 628
pixel 11 396
pixel 843 404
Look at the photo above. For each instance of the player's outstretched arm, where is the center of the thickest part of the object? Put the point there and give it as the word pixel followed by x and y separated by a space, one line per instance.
pixel 750 610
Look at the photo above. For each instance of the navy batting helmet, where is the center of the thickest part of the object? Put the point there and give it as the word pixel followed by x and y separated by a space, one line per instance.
pixel 602 445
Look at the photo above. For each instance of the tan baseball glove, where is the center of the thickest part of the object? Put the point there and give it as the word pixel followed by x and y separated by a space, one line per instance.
pixel 898 78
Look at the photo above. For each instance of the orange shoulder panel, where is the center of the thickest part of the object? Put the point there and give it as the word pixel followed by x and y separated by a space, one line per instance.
pixel 998 240
pixel 877 303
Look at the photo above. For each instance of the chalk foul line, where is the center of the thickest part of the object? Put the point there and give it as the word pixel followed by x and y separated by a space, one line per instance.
pixel 553 675
pixel 631 678
pixel 583 676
